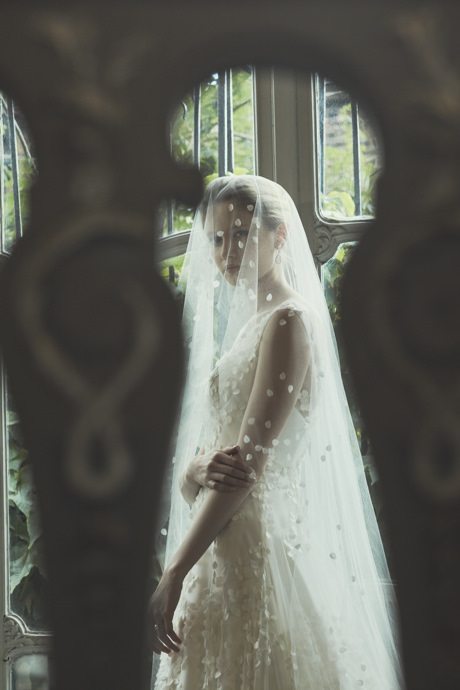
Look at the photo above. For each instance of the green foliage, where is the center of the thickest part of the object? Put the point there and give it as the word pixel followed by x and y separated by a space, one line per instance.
pixel 243 128
pixel 27 573
pixel 27 576
pixel 333 274
pixel 338 202
pixel 338 205
pixel 182 137
pixel 176 263
pixel 26 174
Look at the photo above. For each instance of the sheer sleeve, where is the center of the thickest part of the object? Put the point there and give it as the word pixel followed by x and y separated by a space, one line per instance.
pixel 281 373
pixel 282 368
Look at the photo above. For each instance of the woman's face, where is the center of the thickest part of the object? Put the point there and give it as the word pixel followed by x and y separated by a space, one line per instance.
pixel 232 226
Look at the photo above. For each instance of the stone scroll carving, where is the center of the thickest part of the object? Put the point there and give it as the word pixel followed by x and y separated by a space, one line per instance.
pixel 17 641
pixel 91 337
pixel 411 343
pixel 330 237
pixel 422 318
pixel 92 342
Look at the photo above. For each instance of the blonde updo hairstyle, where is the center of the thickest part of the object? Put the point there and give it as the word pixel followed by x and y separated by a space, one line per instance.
pixel 250 190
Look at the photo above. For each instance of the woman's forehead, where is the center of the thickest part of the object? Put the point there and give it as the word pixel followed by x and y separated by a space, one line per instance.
pixel 229 211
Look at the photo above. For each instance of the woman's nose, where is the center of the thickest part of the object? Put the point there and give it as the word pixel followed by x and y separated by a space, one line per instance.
pixel 226 248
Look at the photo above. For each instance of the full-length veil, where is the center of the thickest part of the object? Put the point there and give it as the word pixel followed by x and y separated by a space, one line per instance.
pixel 330 530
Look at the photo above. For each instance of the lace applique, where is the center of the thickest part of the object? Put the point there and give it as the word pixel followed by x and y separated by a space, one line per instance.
pixel 304 400
pixel 228 610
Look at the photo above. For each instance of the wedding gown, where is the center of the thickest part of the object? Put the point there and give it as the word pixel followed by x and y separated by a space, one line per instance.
pixel 261 609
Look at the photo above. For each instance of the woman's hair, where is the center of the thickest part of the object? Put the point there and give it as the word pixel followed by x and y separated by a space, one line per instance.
pixel 250 190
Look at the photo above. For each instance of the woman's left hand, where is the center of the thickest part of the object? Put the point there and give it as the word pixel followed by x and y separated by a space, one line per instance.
pixel 162 605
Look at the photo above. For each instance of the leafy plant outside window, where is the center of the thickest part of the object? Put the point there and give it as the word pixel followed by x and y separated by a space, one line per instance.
pixel 183 127
pixel 333 273
pixel 27 582
pixel 350 157
pixel 28 586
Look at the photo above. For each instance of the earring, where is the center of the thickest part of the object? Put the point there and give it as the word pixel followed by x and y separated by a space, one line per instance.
pixel 278 255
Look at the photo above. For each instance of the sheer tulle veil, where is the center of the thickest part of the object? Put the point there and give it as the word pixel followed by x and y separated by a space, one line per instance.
pixel 340 557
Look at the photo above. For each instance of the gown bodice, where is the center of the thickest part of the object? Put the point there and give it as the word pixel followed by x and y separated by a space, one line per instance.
pixel 253 611
pixel 230 385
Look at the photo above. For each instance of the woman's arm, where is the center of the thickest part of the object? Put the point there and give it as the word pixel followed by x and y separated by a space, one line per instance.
pixel 222 470
pixel 282 366
pixel 189 486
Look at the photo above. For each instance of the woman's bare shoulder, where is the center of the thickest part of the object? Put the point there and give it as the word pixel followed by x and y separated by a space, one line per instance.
pixel 285 327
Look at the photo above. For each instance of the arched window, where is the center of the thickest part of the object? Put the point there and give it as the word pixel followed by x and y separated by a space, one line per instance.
pixel 24 635
pixel 304 132
pixel 314 139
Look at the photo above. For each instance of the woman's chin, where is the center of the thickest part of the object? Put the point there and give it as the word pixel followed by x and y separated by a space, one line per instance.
pixel 231 277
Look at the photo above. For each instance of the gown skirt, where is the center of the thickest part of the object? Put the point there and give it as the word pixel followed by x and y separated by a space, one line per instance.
pixel 252 615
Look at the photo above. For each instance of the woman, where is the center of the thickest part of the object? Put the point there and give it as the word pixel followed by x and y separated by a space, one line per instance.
pixel 276 577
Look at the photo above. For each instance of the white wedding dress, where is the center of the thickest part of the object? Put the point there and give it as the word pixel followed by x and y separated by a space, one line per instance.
pixel 294 593
pixel 268 606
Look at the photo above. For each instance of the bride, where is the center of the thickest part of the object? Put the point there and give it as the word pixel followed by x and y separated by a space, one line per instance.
pixel 276 577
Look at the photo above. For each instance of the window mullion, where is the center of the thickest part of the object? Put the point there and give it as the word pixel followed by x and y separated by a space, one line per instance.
pixel 4 545
pixel 356 157
pixel 2 183
pixel 265 161
pixel 285 142
pixel 14 168
pixel 196 125
pixel 230 156
pixel 321 96
pixel 222 123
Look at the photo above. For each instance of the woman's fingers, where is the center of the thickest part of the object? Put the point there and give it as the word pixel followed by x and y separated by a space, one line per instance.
pixel 229 475
pixel 175 639
pixel 231 450
pixel 227 483
pixel 172 646
pixel 235 479
pixel 170 639
pixel 158 647
pixel 165 641
pixel 233 463
pixel 227 472
pixel 162 605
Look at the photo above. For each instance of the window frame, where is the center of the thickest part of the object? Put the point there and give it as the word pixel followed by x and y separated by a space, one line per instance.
pixel 331 233
pixel 289 102
pixel 16 640
pixel 285 130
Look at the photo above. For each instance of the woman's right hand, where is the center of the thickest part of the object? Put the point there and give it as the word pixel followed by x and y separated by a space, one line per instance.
pixel 222 470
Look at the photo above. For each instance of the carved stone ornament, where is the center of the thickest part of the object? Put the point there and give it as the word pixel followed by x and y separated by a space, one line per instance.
pixel 18 642
pixel 330 237
pixel 96 406
pixel 91 336
pixel 404 328
pixel 421 288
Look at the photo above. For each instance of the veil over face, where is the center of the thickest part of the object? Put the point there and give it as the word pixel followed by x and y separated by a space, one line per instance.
pixel 246 240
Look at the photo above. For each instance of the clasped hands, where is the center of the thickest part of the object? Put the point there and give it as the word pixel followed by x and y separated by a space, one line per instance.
pixel 222 470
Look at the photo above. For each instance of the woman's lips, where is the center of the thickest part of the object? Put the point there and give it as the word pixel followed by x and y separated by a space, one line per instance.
pixel 232 268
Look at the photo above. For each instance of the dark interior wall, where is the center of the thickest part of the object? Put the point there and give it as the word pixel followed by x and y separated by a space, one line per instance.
pixel 97 82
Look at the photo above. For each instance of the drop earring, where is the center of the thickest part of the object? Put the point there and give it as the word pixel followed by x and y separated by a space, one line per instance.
pixel 278 255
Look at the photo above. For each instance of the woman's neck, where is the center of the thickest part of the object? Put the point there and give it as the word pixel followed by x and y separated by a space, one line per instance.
pixel 272 288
